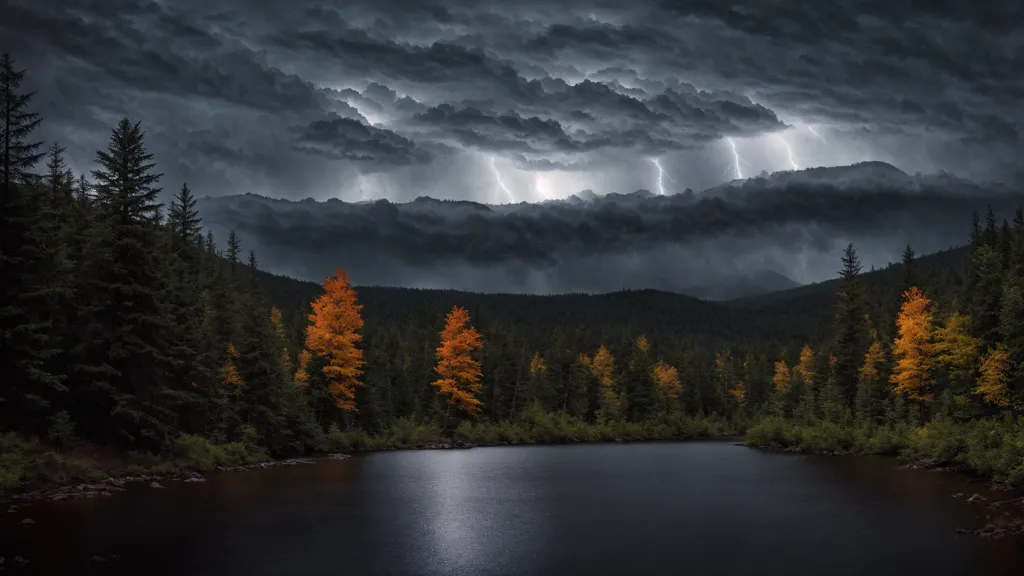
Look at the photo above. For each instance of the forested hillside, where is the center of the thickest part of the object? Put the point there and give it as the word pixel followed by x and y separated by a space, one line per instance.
pixel 124 325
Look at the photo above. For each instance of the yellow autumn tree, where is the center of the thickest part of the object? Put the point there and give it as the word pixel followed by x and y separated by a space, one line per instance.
pixel 666 382
pixel 912 376
pixel 780 381
pixel 333 334
pixel 956 349
pixel 804 368
pixel 458 371
pixel 602 366
pixel 738 394
pixel 301 378
pixel 537 365
pixel 277 322
pixel 994 380
pixel 870 382
pixel 229 371
pixel 780 386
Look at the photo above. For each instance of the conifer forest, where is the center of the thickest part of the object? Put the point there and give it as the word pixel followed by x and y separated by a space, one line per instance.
pixel 125 325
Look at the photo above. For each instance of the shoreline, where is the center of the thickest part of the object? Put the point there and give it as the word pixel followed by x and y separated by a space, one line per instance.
pixel 1011 523
pixel 116 482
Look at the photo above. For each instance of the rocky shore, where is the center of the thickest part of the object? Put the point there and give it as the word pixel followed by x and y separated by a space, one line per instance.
pixel 114 484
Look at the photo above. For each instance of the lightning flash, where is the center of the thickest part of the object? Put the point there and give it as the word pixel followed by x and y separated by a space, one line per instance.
pixel 815 132
pixel 538 186
pixel 501 183
pixel 736 160
pixel 661 176
pixel 789 152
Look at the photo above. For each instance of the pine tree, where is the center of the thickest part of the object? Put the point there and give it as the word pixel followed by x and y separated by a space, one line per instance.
pixel 640 396
pixel 126 369
pixel 909 269
pixel 184 218
pixel 990 234
pixel 1011 332
pixel 26 260
pixel 871 391
pixel 234 251
pixel 985 307
pixel 850 341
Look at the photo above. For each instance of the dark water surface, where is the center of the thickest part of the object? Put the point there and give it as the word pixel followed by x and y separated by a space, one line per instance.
pixel 665 508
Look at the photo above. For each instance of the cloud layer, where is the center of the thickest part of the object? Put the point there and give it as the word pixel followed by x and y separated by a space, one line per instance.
pixel 497 101
pixel 710 244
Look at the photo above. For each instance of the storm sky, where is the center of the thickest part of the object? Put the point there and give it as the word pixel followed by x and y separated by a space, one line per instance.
pixel 501 101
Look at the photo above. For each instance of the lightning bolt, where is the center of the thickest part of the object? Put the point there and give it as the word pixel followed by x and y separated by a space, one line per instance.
pixel 813 131
pixel 661 176
pixel 789 151
pixel 501 183
pixel 538 185
pixel 736 160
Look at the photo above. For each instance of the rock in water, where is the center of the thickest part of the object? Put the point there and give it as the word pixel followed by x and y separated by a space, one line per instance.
pixel 155 485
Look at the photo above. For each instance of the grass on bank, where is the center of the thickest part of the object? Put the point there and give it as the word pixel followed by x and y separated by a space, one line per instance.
pixel 26 464
pixel 29 463
pixel 534 427
pixel 991 447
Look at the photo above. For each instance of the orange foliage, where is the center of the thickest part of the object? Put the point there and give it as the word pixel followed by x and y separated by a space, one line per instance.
pixel 602 366
pixel 912 375
pixel 781 379
pixel 642 344
pixel 994 380
pixel 739 394
pixel 805 366
pixel 229 371
pixel 277 323
pixel 301 378
pixel 333 334
pixel 459 372
pixel 537 365
pixel 666 381
pixel 870 371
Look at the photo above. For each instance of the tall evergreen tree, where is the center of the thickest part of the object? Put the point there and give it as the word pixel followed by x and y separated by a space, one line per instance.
pixel 26 347
pixel 909 268
pixel 125 366
pixel 851 329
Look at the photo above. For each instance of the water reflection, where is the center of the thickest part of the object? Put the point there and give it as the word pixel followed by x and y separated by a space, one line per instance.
pixel 701 508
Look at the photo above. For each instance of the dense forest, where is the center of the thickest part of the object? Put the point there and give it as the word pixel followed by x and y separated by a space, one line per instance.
pixel 124 325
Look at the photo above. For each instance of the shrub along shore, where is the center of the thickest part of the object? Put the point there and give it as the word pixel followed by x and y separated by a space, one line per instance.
pixel 992 448
pixel 30 466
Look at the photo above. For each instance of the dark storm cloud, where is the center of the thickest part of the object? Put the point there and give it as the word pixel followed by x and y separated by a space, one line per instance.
pixel 349 139
pixel 763 219
pixel 367 99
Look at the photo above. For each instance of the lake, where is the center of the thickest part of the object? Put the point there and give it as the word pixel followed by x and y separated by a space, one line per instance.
pixel 704 507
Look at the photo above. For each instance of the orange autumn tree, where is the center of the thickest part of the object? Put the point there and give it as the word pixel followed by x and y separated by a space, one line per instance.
pixel 995 377
pixel 912 376
pixel 458 371
pixel 602 366
pixel 229 370
pixel 277 322
pixel 301 378
pixel 333 334
pixel 666 382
